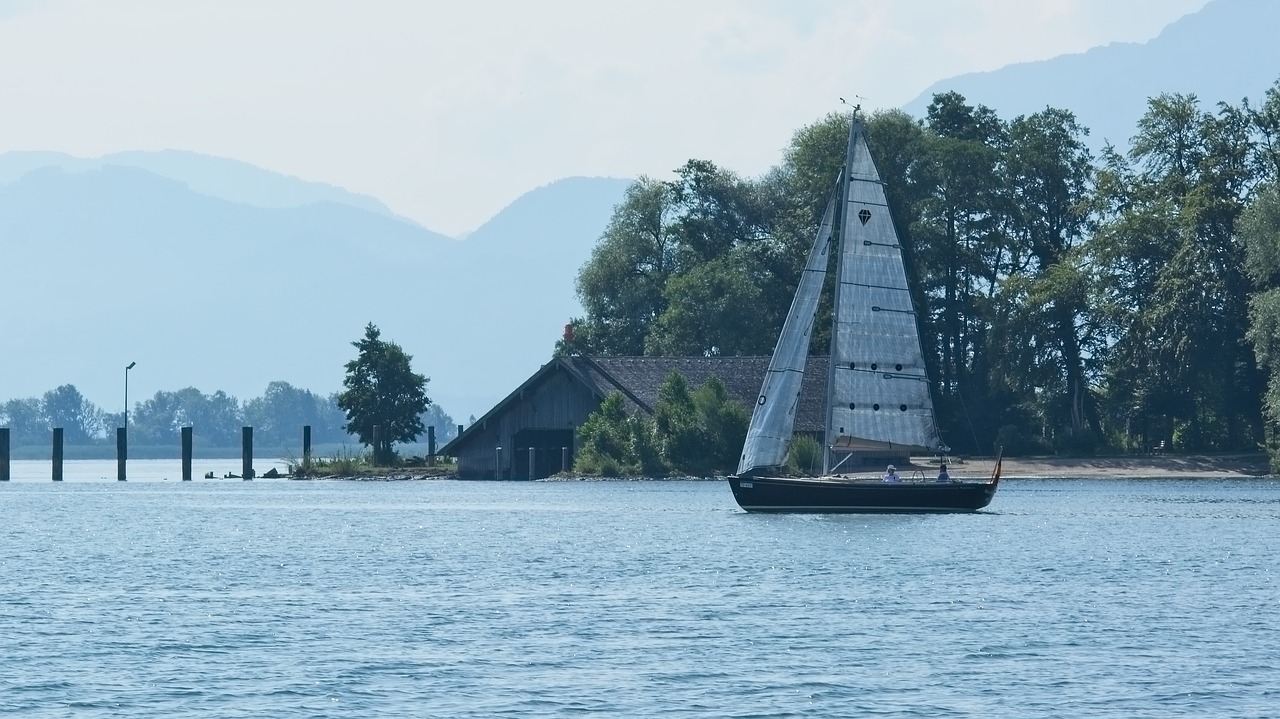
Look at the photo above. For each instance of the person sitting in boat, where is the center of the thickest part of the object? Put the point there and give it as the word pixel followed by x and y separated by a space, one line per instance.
pixel 891 474
pixel 943 475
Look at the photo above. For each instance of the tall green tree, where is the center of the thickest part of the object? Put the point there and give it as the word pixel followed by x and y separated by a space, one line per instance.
pixel 718 220
pixel 1172 277
pixel 1043 332
pixel 956 250
pixel 81 419
pixel 383 391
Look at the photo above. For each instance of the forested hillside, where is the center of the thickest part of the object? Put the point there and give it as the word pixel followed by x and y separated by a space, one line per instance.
pixel 1069 302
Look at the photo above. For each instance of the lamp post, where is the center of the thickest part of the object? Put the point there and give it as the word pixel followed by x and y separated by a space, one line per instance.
pixel 126 393
pixel 122 434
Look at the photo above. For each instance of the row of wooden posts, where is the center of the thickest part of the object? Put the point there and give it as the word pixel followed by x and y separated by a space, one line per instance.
pixel 122 451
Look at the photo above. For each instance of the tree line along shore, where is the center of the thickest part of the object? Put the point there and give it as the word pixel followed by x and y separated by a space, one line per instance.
pixel 1072 302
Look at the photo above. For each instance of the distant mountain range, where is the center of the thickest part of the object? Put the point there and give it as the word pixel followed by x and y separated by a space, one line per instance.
pixel 1224 52
pixel 218 177
pixel 214 274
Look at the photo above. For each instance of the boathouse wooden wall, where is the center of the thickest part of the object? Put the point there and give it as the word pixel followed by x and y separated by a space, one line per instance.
pixel 559 401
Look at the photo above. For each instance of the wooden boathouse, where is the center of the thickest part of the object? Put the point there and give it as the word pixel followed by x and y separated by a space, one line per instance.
pixel 530 434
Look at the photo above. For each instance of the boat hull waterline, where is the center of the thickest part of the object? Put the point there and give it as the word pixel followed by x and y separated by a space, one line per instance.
pixel 840 496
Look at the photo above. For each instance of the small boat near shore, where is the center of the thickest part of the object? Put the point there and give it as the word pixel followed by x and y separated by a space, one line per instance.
pixel 878 393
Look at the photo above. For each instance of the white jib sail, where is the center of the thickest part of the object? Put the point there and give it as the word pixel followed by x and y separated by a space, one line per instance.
pixel 774 417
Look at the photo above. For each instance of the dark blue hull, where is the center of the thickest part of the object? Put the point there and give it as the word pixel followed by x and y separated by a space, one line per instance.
pixel 784 494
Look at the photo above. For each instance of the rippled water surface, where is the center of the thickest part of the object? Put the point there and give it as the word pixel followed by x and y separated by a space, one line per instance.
pixel 1076 598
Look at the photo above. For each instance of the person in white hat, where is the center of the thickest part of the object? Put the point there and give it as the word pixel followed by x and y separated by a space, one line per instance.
pixel 891 474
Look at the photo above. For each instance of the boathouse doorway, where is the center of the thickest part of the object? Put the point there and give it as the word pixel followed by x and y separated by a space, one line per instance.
pixel 552 452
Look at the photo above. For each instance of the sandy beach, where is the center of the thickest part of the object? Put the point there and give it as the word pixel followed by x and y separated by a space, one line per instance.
pixel 1154 466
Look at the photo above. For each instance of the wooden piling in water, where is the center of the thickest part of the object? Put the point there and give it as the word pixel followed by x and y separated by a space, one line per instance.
pixel 186 454
pixel 306 448
pixel 122 452
pixel 531 463
pixel 246 453
pixel 4 454
pixel 57 454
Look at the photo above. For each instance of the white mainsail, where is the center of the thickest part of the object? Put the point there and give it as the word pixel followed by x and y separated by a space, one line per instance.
pixel 879 392
pixel 774 418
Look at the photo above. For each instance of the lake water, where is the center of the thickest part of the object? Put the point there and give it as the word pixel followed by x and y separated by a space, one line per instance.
pixel 136 470
pixel 1065 598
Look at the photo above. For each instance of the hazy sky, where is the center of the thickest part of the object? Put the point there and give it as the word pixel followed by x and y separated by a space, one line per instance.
pixel 448 111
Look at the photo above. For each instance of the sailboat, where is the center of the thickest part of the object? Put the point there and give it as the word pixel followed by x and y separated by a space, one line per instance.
pixel 878 393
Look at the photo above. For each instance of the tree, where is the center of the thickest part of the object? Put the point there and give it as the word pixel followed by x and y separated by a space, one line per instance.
pixel 215 418
pixel 612 443
pixel 705 314
pixel 382 390
pixel 1046 332
pixel 707 222
pixel 955 235
pixel 725 422
pixel 65 407
pixel 26 420
pixel 446 428
pixel 680 436
pixel 280 413
pixel 699 432
pixel 621 285
pixel 1172 271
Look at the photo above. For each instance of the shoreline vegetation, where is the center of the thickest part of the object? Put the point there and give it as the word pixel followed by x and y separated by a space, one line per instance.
pixel 1162 466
